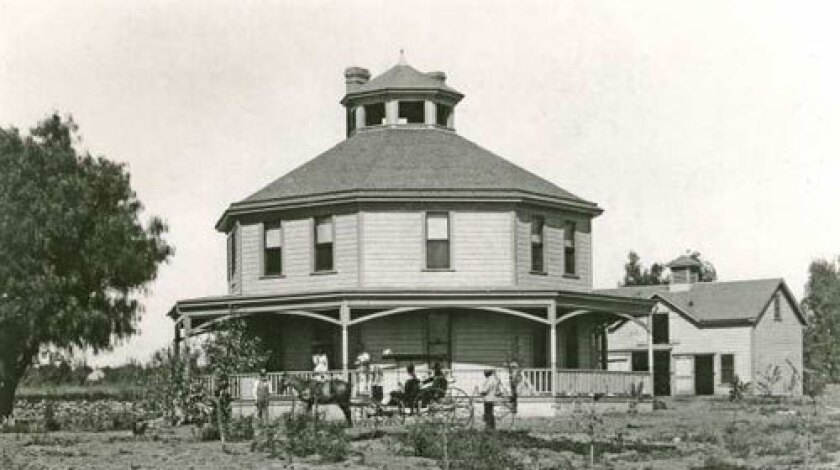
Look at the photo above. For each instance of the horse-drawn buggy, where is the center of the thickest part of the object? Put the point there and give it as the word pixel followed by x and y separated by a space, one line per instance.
pixel 434 396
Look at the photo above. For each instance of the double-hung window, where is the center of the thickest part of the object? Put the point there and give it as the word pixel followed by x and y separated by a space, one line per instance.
pixel 437 240
pixel 569 248
pixel 727 368
pixel 272 249
pixel 537 244
pixel 324 235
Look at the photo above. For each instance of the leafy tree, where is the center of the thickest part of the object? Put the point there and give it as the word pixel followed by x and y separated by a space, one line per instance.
pixel 235 349
pixel 637 275
pixel 708 273
pixel 74 257
pixel 822 307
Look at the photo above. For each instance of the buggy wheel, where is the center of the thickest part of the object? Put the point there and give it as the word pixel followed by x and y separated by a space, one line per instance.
pixel 457 407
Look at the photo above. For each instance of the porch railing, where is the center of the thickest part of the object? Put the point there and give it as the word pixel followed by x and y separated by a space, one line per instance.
pixel 536 382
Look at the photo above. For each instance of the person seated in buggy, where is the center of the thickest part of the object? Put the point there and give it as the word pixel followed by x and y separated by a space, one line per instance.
pixel 434 387
pixel 408 395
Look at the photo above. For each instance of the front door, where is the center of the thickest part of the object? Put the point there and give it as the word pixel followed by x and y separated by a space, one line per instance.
pixel 704 374
pixel 662 373
pixel 438 337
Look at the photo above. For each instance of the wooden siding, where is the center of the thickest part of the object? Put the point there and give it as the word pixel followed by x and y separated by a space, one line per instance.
pixel 393 250
pixel 484 339
pixel 686 339
pixel 553 245
pixel 779 343
pixel 297 258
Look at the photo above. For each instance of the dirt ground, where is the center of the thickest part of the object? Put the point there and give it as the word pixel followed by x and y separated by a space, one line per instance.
pixel 690 434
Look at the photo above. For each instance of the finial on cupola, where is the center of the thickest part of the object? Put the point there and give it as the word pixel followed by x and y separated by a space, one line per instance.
pixel 402 58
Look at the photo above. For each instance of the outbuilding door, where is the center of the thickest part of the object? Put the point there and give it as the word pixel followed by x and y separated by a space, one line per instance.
pixel 704 374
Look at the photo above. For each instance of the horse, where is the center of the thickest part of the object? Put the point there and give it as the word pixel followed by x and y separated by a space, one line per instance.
pixel 310 391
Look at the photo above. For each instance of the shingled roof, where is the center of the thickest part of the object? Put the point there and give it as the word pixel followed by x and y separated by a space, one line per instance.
pixel 405 161
pixel 710 303
pixel 403 77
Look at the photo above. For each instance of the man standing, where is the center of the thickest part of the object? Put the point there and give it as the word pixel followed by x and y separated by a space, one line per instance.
pixel 262 392
pixel 491 390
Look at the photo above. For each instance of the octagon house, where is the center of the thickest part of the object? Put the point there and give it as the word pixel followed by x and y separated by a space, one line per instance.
pixel 406 240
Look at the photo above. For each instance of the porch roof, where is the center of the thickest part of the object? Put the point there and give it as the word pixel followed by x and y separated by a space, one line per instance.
pixel 438 298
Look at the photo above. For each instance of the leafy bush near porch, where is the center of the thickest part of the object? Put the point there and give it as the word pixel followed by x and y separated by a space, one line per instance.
pixel 301 435
pixel 461 448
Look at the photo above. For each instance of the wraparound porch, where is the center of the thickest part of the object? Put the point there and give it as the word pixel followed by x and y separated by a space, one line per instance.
pixel 556 335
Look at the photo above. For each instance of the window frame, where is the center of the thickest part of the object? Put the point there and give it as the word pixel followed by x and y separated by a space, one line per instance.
pixel 777 308
pixel 570 248
pixel 660 318
pixel 315 244
pixel 278 224
pixel 231 255
pixel 541 269
pixel 723 370
pixel 448 240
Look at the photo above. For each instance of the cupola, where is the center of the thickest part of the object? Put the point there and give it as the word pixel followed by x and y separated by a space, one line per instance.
pixel 400 97
pixel 684 270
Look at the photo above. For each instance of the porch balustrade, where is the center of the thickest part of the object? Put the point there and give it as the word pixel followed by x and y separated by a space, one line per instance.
pixel 536 382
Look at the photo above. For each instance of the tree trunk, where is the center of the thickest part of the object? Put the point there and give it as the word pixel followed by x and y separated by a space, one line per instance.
pixel 9 378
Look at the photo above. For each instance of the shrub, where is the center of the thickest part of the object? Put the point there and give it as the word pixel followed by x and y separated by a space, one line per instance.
pixel 738 390
pixel 461 448
pixel 240 429
pixel 301 435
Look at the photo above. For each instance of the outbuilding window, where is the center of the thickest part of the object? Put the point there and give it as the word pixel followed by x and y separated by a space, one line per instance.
pixel 272 248
pixel 660 328
pixel 727 368
pixel 777 308
pixel 537 244
pixel 324 235
pixel 569 254
pixel 411 112
pixel 437 240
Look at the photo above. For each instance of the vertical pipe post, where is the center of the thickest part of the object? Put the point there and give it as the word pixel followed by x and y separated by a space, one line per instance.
pixel 344 317
pixel 187 333
pixel 552 334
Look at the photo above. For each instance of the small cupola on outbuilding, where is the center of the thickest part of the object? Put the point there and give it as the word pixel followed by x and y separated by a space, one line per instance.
pixel 685 270
pixel 400 97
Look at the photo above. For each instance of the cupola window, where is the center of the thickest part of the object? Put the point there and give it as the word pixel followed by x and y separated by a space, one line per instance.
pixel 411 112
pixel 443 113
pixel 375 114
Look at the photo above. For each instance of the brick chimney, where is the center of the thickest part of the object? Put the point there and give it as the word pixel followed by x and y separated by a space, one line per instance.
pixel 355 77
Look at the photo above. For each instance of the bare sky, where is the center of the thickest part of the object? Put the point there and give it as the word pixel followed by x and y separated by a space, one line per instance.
pixel 706 125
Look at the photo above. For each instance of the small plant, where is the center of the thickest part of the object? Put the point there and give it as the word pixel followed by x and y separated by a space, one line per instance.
pixel 768 379
pixel 240 429
pixel 738 390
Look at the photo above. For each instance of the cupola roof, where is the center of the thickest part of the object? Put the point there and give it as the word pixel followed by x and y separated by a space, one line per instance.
pixel 405 77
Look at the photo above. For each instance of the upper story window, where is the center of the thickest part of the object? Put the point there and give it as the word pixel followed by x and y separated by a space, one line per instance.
pixel 324 235
pixel 411 112
pixel 660 328
pixel 443 113
pixel 777 308
pixel 272 248
pixel 569 254
pixel 437 240
pixel 231 253
pixel 537 244
pixel 375 114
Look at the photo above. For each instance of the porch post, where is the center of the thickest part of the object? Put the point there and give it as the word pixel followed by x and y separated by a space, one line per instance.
pixel 344 316
pixel 650 349
pixel 187 332
pixel 552 334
